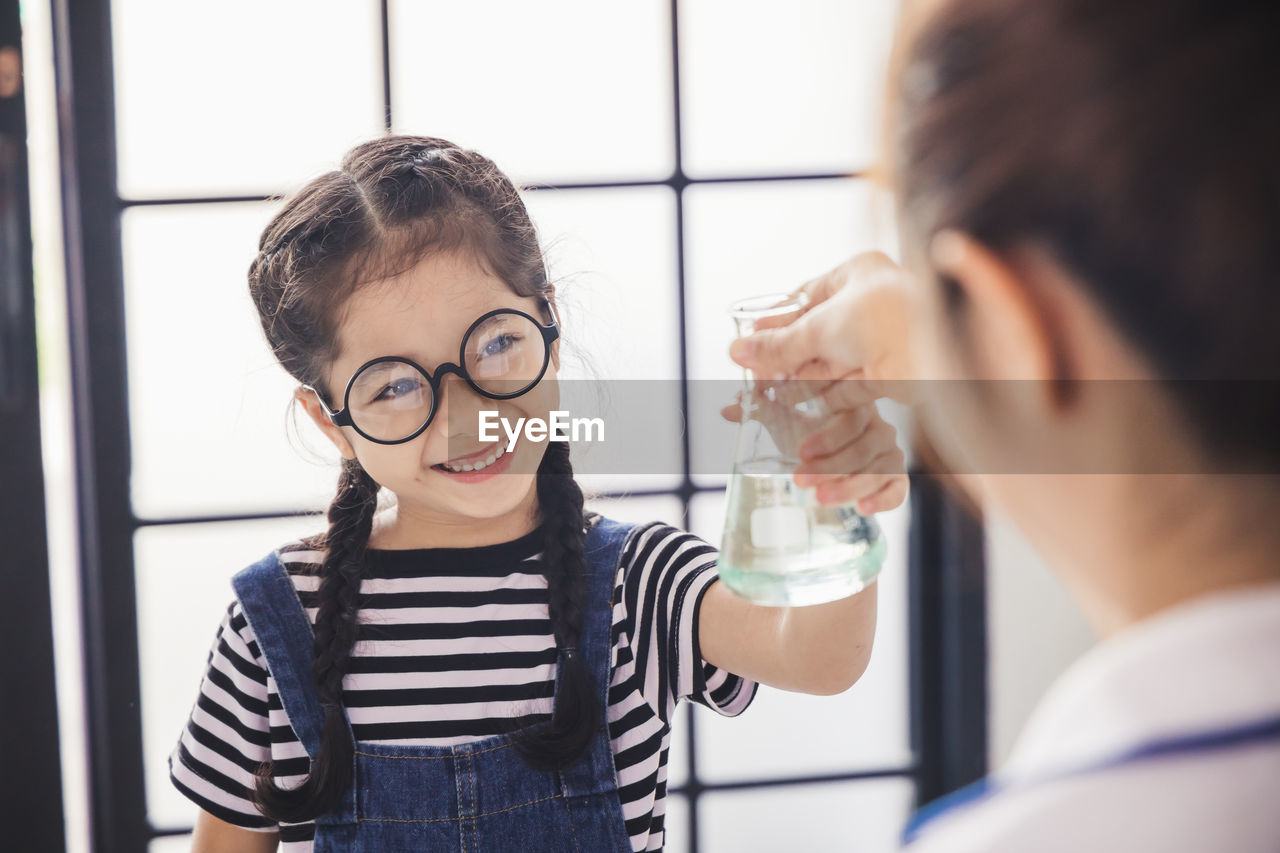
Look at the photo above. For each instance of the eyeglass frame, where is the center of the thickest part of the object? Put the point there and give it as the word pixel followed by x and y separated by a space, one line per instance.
pixel 342 417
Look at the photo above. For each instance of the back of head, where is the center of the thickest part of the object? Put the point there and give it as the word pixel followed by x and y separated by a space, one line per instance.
pixel 1137 143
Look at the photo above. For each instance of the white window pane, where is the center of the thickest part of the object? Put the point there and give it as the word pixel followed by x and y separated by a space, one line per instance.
pixel 866 816
pixel 611 256
pixel 676 825
pixel 207 400
pixel 748 239
pixel 707 515
pixel 184 588
pixel 792 734
pixel 174 844
pixel 712 439
pixel 558 90
pixel 678 752
pixel 782 89
pixel 241 97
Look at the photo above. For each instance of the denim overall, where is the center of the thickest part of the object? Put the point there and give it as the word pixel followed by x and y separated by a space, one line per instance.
pixel 474 797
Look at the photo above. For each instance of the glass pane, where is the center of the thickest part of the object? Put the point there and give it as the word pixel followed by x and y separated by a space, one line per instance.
pixel 866 727
pixel 241 97
pixel 706 516
pixel 678 751
pixel 184 587
pixel 611 255
pixel 797 92
pixel 207 401
pixel 563 90
pixel 866 816
pixel 676 825
pixel 749 239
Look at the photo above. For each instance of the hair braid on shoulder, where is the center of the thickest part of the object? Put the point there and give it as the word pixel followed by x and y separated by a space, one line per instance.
pixel 336 631
pixel 577 712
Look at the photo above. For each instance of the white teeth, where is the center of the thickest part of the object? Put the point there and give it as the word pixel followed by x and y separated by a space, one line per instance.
pixel 476 466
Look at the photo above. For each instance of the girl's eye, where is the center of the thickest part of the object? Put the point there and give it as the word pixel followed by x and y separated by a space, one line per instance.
pixel 398 388
pixel 499 344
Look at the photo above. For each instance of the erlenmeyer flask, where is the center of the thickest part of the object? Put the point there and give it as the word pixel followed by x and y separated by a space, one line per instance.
pixel 781 547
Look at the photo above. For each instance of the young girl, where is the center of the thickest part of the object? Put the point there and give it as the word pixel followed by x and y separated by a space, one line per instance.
pixel 482 665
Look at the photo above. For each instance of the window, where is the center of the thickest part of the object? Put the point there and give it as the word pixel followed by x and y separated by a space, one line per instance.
pixel 681 156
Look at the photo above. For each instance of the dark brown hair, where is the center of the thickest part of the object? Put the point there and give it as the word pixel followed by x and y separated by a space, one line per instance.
pixel 392 201
pixel 1137 142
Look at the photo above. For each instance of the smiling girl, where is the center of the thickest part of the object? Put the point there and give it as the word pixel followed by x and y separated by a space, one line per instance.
pixel 482 665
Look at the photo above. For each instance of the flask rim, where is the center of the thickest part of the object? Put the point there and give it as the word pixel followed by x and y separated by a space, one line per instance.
pixel 769 305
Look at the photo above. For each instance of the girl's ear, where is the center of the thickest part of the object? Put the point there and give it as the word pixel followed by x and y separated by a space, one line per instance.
pixel 311 403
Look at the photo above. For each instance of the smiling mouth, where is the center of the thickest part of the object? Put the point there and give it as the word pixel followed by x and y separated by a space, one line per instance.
pixel 473 463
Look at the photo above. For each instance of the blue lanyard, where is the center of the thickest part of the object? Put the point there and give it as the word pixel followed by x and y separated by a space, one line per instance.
pixel 1196 742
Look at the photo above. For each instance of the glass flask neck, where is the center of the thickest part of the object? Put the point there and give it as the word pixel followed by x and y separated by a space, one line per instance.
pixel 764 312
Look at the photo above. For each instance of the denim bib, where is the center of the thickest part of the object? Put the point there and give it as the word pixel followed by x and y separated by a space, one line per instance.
pixel 474 797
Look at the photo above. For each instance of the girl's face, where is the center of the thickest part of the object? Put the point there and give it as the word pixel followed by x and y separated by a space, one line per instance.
pixel 422 315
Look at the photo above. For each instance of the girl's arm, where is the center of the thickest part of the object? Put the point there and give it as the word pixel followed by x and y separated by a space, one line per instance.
pixel 217 836
pixel 821 649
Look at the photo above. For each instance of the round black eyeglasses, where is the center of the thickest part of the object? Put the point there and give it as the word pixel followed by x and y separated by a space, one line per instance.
pixel 391 400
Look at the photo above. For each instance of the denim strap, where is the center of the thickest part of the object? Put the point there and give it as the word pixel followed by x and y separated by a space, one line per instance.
pixel 271 605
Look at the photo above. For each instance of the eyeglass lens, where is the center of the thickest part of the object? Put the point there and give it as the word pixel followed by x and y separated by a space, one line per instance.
pixel 503 356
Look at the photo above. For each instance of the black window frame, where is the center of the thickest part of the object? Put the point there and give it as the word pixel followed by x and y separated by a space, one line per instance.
pixel 31 800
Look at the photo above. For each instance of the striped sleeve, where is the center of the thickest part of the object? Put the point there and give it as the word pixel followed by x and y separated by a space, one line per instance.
pixel 227 735
pixel 667 571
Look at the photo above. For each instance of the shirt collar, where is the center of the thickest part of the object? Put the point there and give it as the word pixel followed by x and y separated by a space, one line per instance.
pixel 1198 666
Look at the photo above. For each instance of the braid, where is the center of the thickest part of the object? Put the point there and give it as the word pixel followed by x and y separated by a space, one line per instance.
pixel 577 709
pixel 336 630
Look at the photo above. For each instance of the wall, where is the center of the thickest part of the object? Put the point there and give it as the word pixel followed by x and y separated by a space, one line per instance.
pixel 1034 632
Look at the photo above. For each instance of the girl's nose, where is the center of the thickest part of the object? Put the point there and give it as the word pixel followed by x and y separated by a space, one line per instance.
pixel 458 410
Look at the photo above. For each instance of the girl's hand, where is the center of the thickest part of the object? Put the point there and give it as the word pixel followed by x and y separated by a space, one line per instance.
pixel 854 457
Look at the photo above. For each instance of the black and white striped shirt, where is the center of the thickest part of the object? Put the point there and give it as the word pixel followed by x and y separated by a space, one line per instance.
pixel 454 643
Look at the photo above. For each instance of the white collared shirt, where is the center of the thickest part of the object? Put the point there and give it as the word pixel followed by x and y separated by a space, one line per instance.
pixel 1203 666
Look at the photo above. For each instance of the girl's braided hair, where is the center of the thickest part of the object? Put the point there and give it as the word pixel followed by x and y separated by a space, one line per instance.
pixel 393 200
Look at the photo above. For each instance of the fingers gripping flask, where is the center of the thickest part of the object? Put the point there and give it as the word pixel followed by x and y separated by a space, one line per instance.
pixel 781 547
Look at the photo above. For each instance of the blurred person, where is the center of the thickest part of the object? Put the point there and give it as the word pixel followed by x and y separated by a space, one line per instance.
pixel 1087 316
pixel 479 664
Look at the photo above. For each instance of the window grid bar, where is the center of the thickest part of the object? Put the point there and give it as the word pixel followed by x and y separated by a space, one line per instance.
pixel 95 322
pixel 384 21
pixel 675 181
pixel 679 181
